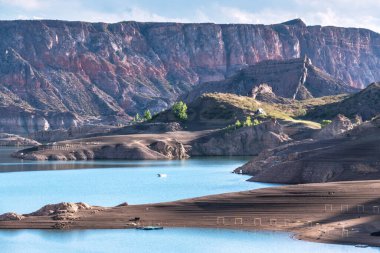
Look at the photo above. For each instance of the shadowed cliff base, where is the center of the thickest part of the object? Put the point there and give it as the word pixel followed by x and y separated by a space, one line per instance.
pixel 344 212
pixel 353 154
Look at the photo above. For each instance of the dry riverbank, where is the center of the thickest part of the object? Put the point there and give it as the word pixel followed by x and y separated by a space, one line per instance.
pixel 344 212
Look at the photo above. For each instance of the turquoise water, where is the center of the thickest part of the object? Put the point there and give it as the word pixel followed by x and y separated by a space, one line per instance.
pixel 174 240
pixel 109 183
pixel 114 182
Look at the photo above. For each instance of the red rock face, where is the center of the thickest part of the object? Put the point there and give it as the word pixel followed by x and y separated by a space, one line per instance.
pixel 108 69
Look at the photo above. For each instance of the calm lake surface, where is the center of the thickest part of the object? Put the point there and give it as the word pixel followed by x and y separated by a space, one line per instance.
pixel 114 182
pixel 171 240
pixel 25 186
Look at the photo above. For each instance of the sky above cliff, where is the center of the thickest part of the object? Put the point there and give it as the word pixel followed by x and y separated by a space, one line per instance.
pixel 347 13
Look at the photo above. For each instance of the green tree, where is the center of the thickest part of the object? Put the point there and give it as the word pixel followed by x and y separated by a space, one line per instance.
pixel 180 110
pixel 137 118
pixel 238 124
pixel 248 122
pixel 325 122
pixel 147 115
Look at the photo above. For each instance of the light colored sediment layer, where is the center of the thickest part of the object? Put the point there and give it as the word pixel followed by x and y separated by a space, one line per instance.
pixel 168 145
pixel 344 212
pixel 133 146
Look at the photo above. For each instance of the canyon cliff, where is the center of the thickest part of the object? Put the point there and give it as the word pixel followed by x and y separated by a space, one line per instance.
pixel 96 69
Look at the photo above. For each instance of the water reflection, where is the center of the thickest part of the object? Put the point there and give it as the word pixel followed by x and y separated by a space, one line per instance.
pixel 165 241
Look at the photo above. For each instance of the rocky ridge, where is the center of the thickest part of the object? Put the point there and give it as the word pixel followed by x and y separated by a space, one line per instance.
pixel 365 103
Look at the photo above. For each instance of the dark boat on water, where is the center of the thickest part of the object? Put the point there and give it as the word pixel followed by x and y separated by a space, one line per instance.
pixel 150 228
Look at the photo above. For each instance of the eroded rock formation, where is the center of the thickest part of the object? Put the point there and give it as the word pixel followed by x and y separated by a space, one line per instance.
pixel 293 79
pixel 60 208
pixel 175 150
pixel 264 92
pixel 243 141
pixel 339 125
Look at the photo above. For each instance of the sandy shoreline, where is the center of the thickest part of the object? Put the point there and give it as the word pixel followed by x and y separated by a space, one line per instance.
pixel 344 213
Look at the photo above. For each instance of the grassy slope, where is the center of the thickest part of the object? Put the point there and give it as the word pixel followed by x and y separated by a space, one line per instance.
pixel 288 112
pixel 365 103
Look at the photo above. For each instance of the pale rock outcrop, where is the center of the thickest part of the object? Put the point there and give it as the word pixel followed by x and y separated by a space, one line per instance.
pixel 262 90
pixel 11 217
pixel 61 208
pixel 339 125
pixel 174 150
pixel 24 122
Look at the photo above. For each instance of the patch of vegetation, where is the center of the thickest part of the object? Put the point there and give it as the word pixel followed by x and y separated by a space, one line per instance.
pixel 180 110
pixel 256 122
pixel 238 124
pixel 137 118
pixel 325 122
pixel 247 123
pixel 147 115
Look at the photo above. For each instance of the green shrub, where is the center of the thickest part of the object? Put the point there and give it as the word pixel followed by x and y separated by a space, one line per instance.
pixel 238 124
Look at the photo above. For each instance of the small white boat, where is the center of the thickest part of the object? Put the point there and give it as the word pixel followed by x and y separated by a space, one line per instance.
pixel 162 175
pixel 361 246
